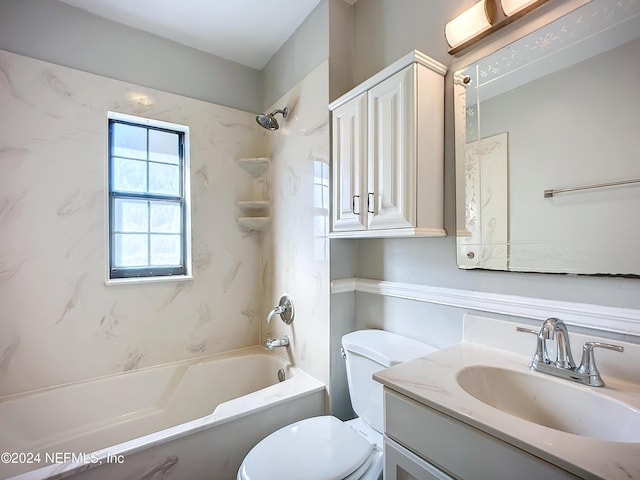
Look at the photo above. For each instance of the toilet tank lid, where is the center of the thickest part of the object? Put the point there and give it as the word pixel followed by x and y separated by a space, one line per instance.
pixel 384 347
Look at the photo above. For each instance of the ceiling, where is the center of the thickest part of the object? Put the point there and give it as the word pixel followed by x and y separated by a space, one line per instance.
pixel 248 32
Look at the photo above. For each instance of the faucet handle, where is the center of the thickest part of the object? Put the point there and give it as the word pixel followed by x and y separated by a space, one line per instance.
pixel 526 330
pixel 588 362
pixel 284 309
pixel 541 355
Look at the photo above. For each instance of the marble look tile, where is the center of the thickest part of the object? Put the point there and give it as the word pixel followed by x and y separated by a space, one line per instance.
pixel 53 144
pixel 291 263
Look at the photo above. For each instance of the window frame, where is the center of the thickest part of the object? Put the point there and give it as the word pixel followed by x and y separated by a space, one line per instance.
pixel 149 273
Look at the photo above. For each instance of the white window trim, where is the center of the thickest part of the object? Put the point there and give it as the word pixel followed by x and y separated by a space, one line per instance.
pixel 187 200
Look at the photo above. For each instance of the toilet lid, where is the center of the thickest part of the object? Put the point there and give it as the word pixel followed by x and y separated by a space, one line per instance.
pixel 318 448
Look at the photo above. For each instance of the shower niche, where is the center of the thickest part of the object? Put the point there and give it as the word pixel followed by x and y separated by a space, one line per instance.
pixel 253 207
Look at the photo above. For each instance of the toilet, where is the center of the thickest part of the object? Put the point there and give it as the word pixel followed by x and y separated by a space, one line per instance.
pixel 325 448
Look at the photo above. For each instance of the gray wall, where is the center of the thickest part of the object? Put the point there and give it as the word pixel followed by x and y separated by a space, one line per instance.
pixel 326 33
pixel 56 32
pixel 301 53
pixel 385 30
pixel 341 45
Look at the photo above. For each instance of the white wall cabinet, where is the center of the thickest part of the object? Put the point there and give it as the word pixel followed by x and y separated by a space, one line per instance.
pixel 387 145
pixel 349 130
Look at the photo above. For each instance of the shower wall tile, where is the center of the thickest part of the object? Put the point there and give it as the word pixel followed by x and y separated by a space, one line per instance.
pixel 59 322
pixel 295 248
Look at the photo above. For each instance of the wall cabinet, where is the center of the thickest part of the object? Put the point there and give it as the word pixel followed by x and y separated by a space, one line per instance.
pixel 387 153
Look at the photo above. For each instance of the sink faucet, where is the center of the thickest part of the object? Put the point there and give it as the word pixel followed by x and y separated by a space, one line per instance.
pixel 564 367
pixel 271 343
pixel 551 329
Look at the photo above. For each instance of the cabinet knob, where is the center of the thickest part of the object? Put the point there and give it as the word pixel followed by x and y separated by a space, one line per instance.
pixel 370 204
pixel 470 255
pixel 353 204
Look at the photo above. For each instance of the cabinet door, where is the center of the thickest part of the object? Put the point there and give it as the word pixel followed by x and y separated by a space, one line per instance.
pixel 391 197
pixel 349 162
pixel 401 464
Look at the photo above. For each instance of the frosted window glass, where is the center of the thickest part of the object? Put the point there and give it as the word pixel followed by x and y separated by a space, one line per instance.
pixel 129 141
pixel 129 175
pixel 165 217
pixel 163 146
pixel 165 250
pixel 164 179
pixel 131 250
pixel 131 216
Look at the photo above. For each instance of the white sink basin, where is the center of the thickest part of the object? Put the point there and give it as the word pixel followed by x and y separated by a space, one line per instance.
pixel 553 403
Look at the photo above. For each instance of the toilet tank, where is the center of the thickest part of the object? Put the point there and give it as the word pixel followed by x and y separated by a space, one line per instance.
pixel 367 352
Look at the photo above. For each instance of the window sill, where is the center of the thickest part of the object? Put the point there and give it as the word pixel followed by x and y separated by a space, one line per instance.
pixel 138 280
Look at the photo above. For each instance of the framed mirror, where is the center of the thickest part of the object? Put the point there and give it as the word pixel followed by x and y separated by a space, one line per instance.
pixel 547 148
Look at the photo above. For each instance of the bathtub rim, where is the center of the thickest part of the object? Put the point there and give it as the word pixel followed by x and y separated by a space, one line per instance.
pixel 302 384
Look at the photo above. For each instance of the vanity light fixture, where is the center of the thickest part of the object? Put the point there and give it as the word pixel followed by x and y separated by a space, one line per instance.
pixel 513 7
pixel 483 18
pixel 470 25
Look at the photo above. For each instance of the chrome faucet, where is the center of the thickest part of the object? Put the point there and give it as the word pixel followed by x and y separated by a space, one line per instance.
pixel 551 329
pixel 564 367
pixel 271 343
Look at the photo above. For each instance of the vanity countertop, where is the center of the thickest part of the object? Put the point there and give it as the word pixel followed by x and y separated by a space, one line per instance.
pixel 431 380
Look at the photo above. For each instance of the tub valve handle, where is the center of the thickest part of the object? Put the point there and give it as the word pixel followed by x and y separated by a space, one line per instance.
pixel 284 309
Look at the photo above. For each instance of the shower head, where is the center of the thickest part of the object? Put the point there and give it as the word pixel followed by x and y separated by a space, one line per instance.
pixel 269 121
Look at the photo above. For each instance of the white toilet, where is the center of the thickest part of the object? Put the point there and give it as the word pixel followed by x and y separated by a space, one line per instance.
pixel 325 448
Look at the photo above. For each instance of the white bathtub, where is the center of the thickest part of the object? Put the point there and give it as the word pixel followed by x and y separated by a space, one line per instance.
pixel 188 420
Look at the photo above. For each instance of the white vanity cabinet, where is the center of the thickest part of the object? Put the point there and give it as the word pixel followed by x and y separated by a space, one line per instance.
pixel 387 153
pixel 422 443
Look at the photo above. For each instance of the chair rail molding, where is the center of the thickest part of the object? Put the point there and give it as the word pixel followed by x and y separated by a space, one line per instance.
pixel 599 317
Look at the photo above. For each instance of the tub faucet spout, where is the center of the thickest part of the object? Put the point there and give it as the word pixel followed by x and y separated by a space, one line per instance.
pixel 271 343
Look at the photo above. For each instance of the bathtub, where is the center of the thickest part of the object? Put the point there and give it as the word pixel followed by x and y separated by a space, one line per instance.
pixel 188 420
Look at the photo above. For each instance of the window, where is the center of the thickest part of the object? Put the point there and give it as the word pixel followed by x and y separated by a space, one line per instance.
pixel 321 208
pixel 149 218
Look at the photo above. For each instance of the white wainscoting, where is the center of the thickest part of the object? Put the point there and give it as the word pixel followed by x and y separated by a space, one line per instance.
pixel 610 319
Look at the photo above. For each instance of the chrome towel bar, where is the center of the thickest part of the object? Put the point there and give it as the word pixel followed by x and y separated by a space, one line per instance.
pixel 554 191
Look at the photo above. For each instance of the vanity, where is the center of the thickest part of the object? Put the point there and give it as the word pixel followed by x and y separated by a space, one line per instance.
pixel 477 411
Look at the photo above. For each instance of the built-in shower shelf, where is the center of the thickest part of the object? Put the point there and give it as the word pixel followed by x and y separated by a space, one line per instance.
pixel 255 223
pixel 255 213
pixel 253 205
pixel 256 166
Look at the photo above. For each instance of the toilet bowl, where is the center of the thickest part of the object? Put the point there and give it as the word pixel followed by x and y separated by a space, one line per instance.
pixel 326 448
pixel 318 448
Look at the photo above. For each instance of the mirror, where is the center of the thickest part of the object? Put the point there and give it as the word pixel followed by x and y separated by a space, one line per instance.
pixel 547 140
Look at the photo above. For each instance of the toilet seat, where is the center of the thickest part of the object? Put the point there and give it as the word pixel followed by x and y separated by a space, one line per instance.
pixel 318 448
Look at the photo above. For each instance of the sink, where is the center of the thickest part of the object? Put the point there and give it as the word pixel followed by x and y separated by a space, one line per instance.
pixel 552 403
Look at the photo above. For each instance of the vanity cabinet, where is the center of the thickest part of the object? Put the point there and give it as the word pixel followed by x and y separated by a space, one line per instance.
pixel 387 153
pixel 402 464
pixel 422 443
